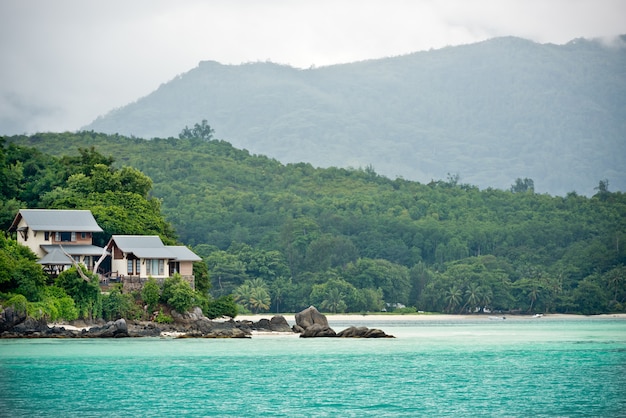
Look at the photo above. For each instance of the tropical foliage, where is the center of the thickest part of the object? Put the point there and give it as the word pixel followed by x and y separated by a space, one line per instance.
pixel 281 237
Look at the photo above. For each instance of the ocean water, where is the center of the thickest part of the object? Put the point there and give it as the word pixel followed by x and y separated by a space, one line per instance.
pixel 513 368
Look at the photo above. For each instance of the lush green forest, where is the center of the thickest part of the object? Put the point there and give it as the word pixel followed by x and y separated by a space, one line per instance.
pixel 281 237
pixel 491 111
pixel 120 202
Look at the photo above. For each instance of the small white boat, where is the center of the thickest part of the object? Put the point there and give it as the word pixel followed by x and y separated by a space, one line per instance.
pixel 497 318
pixel 538 315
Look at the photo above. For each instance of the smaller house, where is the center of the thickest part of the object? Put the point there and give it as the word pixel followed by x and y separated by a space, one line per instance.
pixel 54 234
pixel 134 258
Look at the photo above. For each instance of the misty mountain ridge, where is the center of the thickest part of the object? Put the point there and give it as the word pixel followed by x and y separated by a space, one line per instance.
pixel 490 112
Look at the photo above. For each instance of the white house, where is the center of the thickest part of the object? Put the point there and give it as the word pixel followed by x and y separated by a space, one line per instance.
pixel 146 255
pixel 56 235
pixel 52 234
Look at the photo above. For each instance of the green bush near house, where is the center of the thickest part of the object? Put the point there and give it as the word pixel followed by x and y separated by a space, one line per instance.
pixel 86 294
pixel 118 305
pixel 18 303
pixel 162 318
pixel 151 293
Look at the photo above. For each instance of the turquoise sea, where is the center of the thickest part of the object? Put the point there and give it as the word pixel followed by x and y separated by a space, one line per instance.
pixel 512 368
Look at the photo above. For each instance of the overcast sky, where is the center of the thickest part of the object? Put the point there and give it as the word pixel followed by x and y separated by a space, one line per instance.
pixel 66 62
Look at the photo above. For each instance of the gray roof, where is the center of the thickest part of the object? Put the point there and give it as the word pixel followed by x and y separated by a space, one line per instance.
pixel 55 257
pixel 151 246
pixel 129 242
pixel 143 246
pixel 75 249
pixel 183 253
pixel 52 220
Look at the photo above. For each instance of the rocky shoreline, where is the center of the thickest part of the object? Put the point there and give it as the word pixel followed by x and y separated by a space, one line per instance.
pixel 310 323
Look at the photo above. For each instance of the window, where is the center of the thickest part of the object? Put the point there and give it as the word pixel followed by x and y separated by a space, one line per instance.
pixel 137 267
pixel 46 236
pixel 130 267
pixel 65 236
pixel 83 235
pixel 156 267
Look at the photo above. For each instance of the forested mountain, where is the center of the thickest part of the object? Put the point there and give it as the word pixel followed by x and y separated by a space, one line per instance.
pixel 282 237
pixel 490 112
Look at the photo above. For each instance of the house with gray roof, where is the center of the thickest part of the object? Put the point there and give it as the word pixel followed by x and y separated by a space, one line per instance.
pixel 134 258
pixel 61 237
pixel 56 235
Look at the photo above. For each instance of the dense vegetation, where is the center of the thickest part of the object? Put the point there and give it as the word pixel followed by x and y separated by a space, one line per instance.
pixel 281 237
pixel 491 112
pixel 120 202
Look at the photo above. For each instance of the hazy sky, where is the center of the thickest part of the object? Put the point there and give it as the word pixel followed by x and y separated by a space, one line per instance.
pixel 66 62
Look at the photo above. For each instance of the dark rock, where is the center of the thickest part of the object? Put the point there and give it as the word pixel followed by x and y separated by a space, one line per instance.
pixel 353 332
pixel 377 333
pixel 278 323
pixel 309 317
pixel 363 332
pixel 111 329
pixel 148 329
pixel 206 328
pixel 312 323
pixel 122 327
pixel 187 317
pixel 31 325
pixel 61 332
pixel 318 330
pixel 227 333
pixel 216 330
pixel 262 325
pixel 9 318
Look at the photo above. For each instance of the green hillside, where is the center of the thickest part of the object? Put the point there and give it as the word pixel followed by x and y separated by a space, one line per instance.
pixel 490 112
pixel 351 239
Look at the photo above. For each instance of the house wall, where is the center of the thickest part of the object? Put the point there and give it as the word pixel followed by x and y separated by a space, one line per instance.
pixel 153 273
pixel 34 239
pixel 120 266
pixel 186 268
pixel 79 239
pixel 130 284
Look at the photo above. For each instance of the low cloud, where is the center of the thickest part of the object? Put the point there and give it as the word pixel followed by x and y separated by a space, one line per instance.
pixel 72 61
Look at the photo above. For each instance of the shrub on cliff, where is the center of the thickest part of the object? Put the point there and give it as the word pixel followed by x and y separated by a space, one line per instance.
pixel 222 306
pixel 151 293
pixel 118 305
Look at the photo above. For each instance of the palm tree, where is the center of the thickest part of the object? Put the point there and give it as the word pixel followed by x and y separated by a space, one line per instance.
pixel 242 295
pixel 615 278
pixel 453 297
pixel 533 294
pixel 334 301
pixel 259 299
pixel 257 282
pixel 486 296
pixel 473 294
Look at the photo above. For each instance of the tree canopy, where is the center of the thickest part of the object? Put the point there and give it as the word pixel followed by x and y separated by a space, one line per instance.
pixel 348 238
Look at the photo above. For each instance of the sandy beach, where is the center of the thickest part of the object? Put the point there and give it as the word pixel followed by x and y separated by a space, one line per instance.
pixel 362 319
